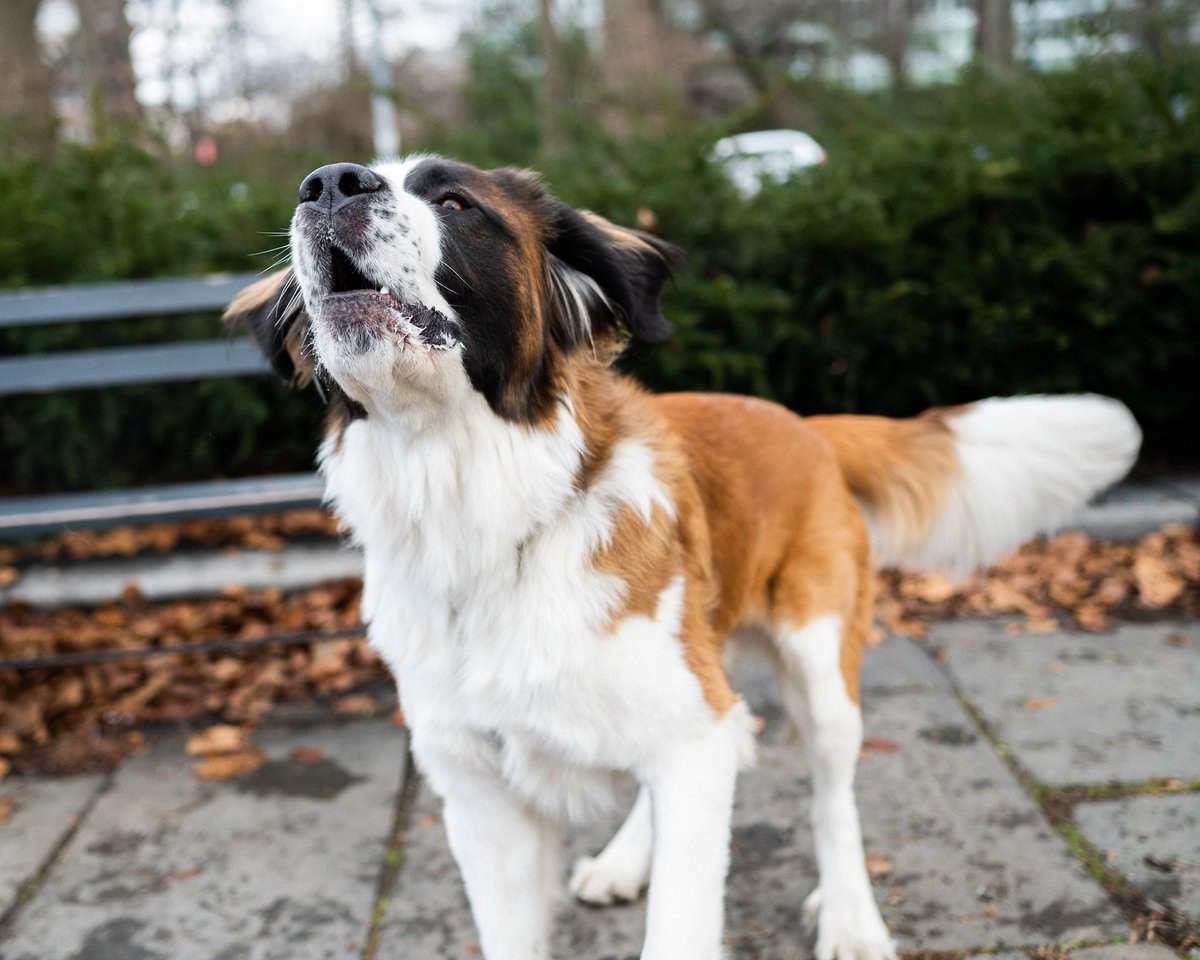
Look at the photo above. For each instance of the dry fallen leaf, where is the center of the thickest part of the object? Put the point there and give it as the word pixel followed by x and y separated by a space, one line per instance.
pixel 5 766
pixel 226 766
pixel 6 809
pixel 9 576
pixel 307 755
pixel 1041 703
pixel 356 703
pixel 879 745
pixel 878 866
pixel 1158 585
pixel 222 738
pixel 933 588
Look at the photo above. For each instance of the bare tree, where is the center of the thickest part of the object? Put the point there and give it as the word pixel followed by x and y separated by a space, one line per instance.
pixel 108 75
pixel 26 82
pixel 647 60
pixel 555 90
pixel 995 36
pixel 346 38
pixel 767 39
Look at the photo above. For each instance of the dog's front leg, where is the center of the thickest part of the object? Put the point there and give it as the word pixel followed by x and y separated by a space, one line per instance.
pixel 691 789
pixel 508 857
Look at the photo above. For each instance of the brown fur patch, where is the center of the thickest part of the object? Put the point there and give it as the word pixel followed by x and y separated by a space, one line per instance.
pixel 898 468
pixel 273 311
pixel 788 543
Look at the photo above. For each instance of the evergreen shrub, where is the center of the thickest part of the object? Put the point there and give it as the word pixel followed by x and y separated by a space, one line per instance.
pixel 986 238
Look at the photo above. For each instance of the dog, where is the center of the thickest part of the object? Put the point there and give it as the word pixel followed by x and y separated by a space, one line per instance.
pixel 555 558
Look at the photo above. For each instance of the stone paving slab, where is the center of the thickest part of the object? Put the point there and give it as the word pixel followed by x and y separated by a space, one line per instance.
pixel 1085 708
pixel 974 864
pixel 43 813
pixel 1166 829
pixel 282 864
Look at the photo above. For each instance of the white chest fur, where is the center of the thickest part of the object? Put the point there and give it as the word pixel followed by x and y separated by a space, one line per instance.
pixel 481 594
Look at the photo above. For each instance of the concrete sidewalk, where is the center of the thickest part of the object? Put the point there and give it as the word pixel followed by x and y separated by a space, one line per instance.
pixel 346 857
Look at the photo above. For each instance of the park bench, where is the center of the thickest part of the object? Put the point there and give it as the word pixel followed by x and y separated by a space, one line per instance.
pixel 149 363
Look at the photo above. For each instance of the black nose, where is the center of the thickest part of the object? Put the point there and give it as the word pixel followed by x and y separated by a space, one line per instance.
pixel 338 183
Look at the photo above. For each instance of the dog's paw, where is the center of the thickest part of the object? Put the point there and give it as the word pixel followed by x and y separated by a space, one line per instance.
pixel 848 934
pixel 812 908
pixel 606 879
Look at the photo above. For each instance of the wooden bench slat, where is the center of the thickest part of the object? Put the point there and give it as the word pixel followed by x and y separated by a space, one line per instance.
pixel 117 366
pixel 29 516
pixel 121 299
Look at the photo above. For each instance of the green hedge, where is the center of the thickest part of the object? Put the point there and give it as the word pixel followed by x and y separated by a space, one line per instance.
pixel 985 238
pixel 1037 236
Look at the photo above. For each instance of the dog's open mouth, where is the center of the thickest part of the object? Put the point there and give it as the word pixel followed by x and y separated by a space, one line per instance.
pixel 359 312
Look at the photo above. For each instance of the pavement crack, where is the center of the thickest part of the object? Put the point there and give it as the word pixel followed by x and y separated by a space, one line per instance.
pixel 30 886
pixel 1150 921
pixel 389 873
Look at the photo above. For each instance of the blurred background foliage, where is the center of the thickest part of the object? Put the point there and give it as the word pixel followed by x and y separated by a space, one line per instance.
pixel 1007 230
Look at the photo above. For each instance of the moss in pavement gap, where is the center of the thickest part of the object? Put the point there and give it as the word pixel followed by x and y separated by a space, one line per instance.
pixel 1172 929
pixel 1044 952
pixel 1073 794
pixel 393 859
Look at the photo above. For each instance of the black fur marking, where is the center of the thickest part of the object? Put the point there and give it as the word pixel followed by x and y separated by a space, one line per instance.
pixel 497 255
pixel 630 271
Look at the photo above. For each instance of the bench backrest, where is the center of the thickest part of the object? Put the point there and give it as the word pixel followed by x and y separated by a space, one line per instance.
pixel 150 363
pixel 155 363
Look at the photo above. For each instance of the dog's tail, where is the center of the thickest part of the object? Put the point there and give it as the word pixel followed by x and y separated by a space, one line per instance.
pixel 955 488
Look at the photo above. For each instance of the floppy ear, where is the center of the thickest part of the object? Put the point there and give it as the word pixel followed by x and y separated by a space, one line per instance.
pixel 613 275
pixel 273 311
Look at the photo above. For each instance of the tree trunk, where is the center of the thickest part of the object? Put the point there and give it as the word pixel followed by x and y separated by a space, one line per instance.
pixel 1151 29
pixel 26 82
pixel 109 80
pixel 645 64
pixel 555 91
pixel 995 36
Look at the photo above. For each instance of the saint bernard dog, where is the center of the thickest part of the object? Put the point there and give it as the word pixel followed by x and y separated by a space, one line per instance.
pixel 555 558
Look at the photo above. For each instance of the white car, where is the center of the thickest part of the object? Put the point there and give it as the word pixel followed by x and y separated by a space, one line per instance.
pixel 749 157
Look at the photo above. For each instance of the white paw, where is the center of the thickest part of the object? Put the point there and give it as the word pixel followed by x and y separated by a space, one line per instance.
pixel 812 907
pixel 848 934
pixel 607 879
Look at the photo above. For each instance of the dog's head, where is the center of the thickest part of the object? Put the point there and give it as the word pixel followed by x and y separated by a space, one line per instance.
pixel 414 281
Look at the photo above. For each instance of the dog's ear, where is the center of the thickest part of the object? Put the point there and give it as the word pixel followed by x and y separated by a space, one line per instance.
pixel 604 276
pixel 273 311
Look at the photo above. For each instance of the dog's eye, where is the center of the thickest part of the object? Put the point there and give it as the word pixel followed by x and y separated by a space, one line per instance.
pixel 451 201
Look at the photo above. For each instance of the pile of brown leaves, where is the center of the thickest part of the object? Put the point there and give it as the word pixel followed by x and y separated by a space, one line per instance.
pixel 262 532
pixel 75 718
pixel 1067 582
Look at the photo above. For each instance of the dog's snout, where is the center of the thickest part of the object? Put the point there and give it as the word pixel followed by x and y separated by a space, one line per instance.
pixel 338 183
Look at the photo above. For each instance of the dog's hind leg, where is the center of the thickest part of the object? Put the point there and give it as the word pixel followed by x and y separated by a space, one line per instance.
pixel 622 869
pixel 816 662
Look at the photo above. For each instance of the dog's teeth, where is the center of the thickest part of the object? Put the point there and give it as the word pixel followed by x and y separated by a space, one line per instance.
pixel 383 290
